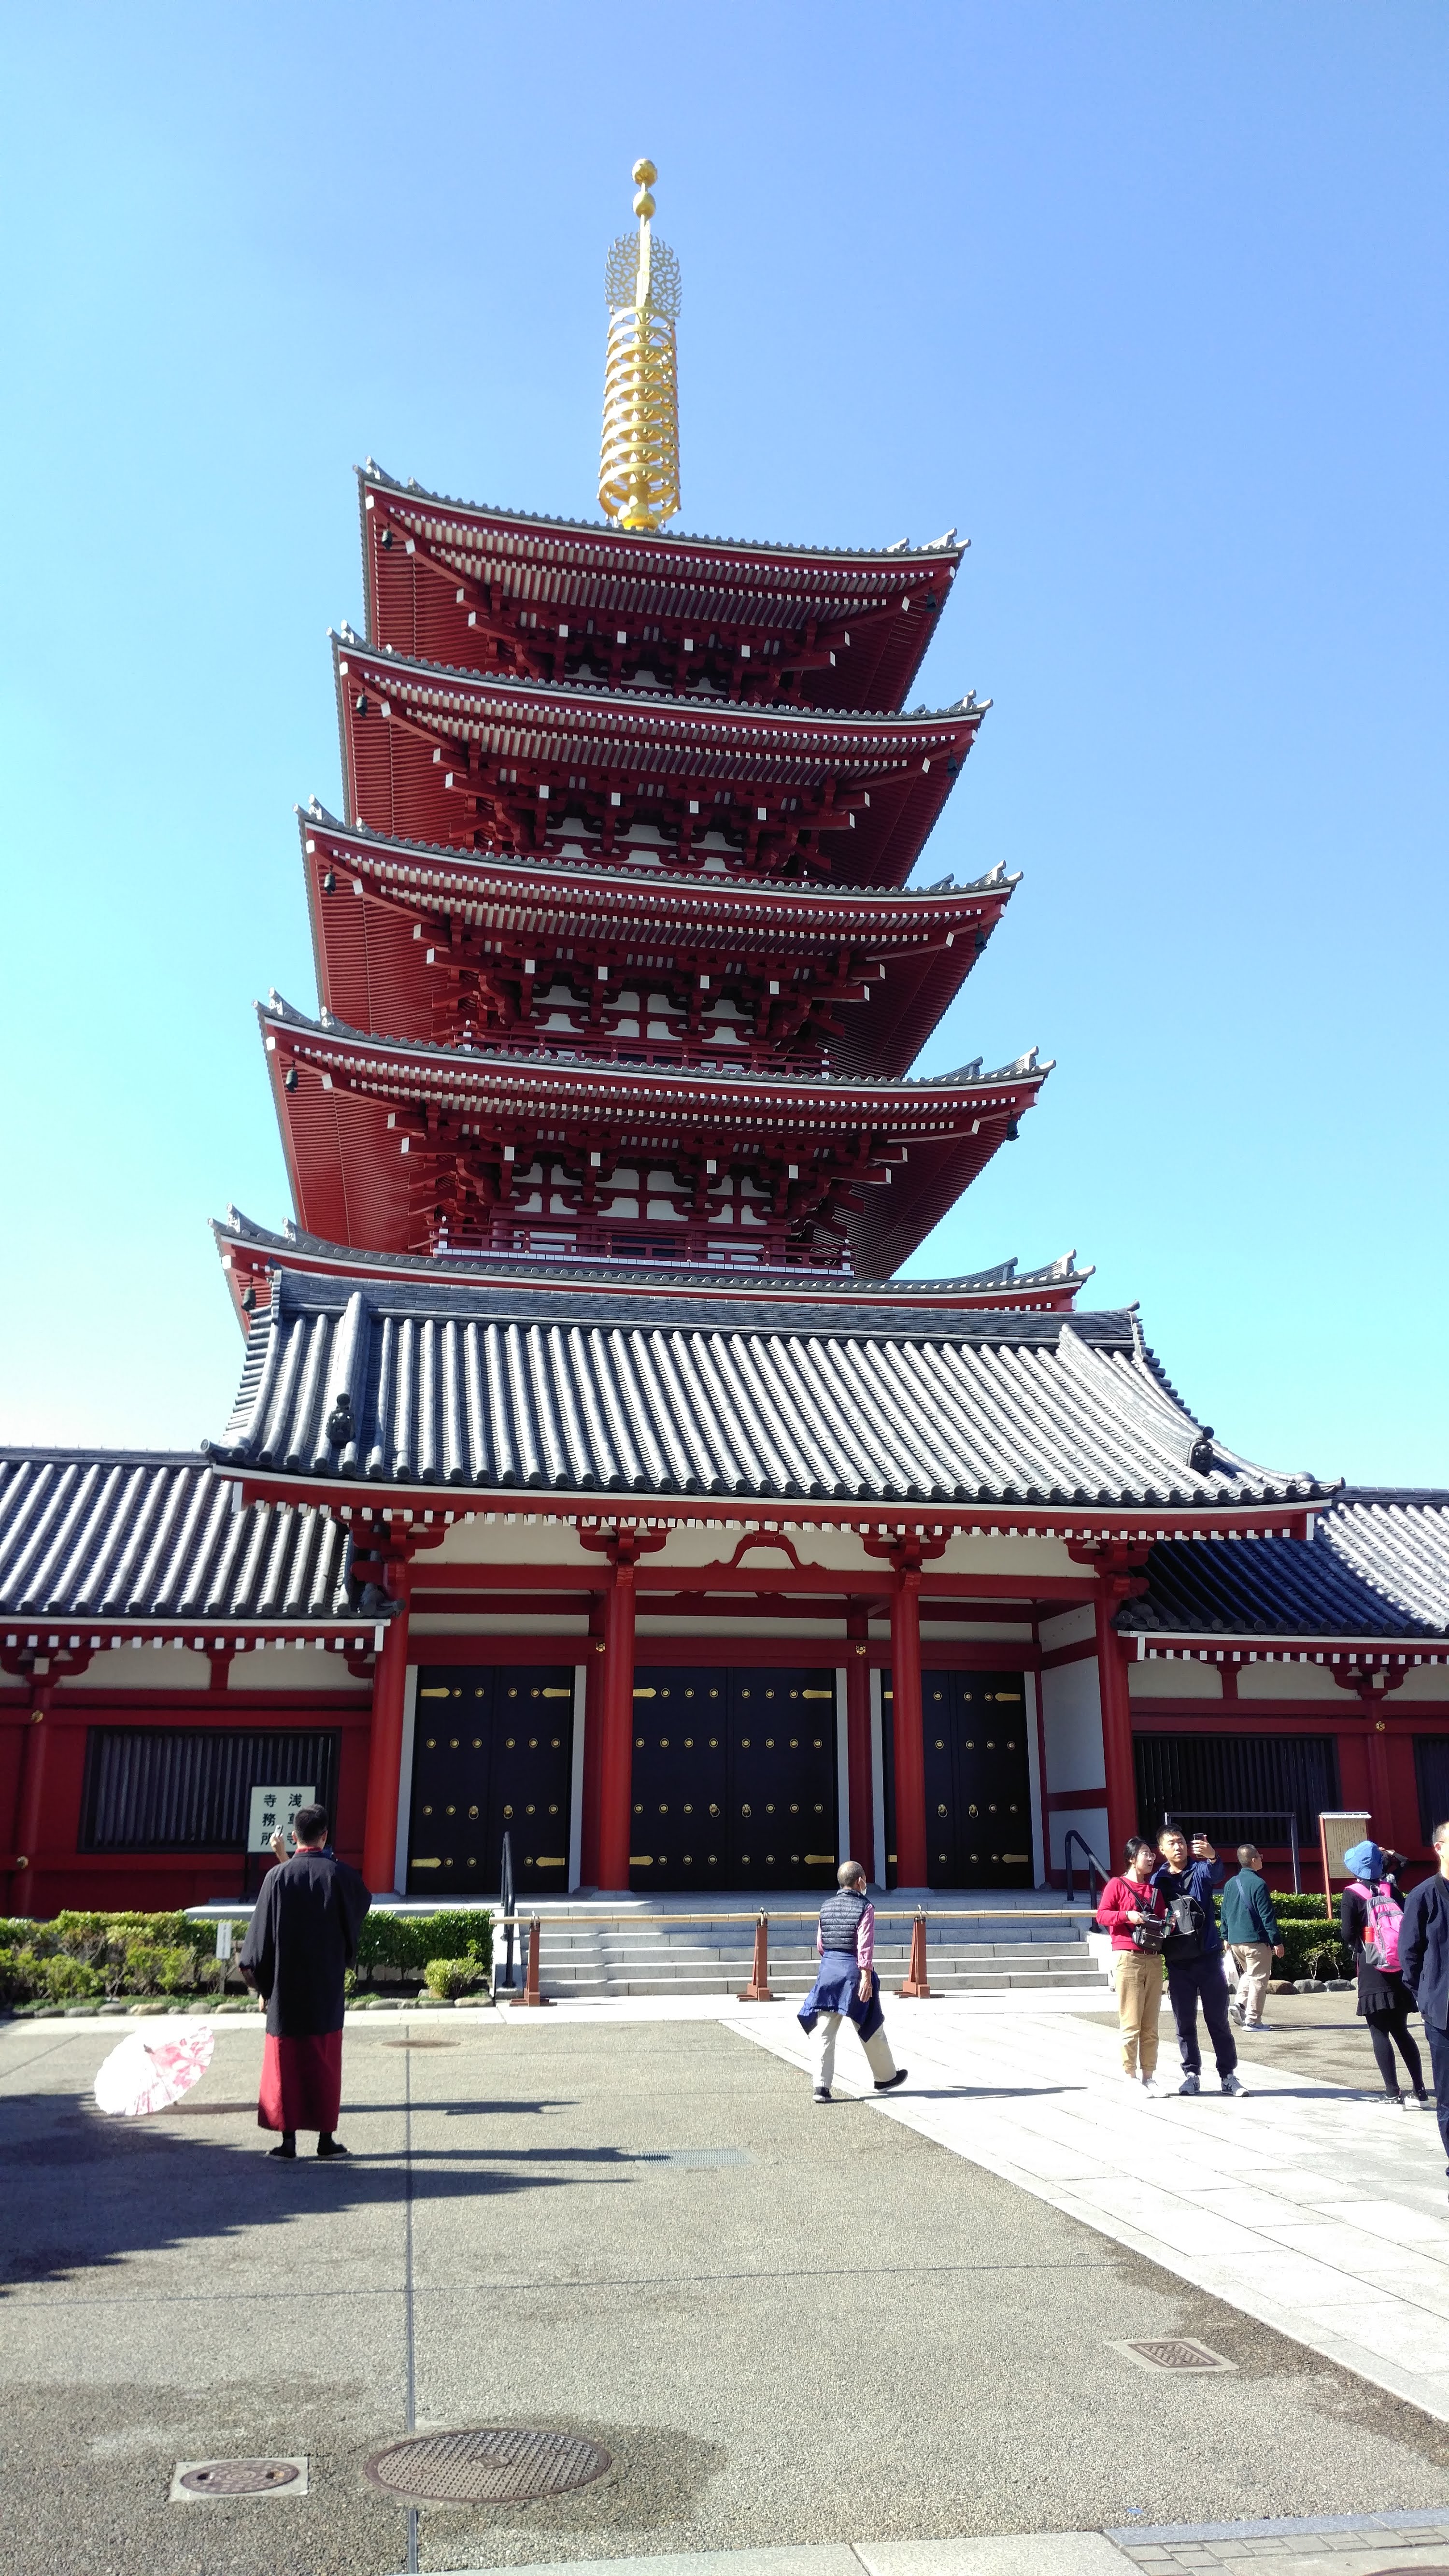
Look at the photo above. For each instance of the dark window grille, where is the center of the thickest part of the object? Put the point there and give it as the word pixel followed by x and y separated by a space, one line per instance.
pixel 1237 1780
pixel 1431 1769
pixel 167 1788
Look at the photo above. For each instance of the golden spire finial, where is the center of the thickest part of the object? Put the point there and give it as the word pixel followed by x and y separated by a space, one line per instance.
pixel 639 465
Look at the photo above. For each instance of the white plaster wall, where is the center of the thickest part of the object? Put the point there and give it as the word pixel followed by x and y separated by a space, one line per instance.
pixel 151 1668
pixel 283 1668
pixel 1071 1710
pixel 1033 1764
pixel 1174 1681
pixel 1074 1627
pixel 1423 1681
pixel 983 1632
pixel 405 1782
pixel 1091 1823
pixel 498 1623
pixel 1292 1681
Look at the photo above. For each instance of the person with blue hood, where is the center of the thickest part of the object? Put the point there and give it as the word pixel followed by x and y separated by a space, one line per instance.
pixel 1370 1924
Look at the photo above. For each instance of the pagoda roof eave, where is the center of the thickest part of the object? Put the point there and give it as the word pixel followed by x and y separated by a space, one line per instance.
pixel 633 701
pixel 872 904
pixel 252 1250
pixel 378 1127
pixel 435 1062
pixel 949 548
pixel 906 953
pixel 429 751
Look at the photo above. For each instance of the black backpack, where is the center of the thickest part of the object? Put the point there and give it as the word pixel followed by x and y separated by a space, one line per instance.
pixel 1186 1924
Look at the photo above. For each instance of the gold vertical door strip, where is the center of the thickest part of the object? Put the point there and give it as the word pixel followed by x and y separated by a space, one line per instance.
pixel 639 461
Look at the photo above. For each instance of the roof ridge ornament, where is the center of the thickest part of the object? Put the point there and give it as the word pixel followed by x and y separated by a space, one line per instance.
pixel 639 460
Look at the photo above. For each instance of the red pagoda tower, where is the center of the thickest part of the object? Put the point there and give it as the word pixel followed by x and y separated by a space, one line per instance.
pixel 595 1486
pixel 615 955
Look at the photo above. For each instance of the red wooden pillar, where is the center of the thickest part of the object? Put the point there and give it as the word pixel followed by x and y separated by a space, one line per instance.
pixel 384 1766
pixel 858 1749
pixel 1118 1766
pixel 30 1802
pixel 593 1748
pixel 616 1764
pixel 910 1752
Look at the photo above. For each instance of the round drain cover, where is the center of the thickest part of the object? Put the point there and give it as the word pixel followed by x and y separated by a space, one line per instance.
pixel 240 2477
pixel 503 2465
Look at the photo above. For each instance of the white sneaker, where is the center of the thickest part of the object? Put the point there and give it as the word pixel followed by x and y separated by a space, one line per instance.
pixel 1152 2088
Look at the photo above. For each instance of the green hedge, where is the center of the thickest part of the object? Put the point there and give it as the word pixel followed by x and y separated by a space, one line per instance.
pixel 406 1942
pixel 81 1958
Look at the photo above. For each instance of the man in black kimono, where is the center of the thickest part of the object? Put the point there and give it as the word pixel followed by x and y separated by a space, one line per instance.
pixel 300 1943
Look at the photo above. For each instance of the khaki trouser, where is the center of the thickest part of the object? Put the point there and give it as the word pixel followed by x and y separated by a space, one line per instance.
pixel 1139 2001
pixel 1253 1961
pixel 877 2052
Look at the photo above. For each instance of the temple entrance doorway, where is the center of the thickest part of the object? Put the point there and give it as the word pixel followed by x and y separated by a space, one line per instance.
pixel 492 1753
pixel 978 1779
pixel 734 1782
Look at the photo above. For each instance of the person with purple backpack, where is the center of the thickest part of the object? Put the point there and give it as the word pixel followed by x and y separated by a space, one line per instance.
pixel 1370 1915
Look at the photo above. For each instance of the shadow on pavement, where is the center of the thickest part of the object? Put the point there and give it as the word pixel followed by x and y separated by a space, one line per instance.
pixel 83 2191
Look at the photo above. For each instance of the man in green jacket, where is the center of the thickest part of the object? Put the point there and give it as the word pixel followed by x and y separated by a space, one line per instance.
pixel 1250 1931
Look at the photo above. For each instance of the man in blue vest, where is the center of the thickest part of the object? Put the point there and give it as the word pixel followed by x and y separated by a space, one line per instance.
pixel 847 1986
pixel 1194 1954
pixel 1424 1959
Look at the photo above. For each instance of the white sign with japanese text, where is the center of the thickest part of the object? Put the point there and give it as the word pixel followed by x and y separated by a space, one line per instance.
pixel 272 1808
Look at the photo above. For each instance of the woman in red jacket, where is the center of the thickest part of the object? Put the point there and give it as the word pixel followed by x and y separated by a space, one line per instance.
pixel 1127 1904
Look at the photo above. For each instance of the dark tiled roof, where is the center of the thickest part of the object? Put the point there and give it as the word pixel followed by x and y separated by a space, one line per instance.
pixel 496 1389
pixel 124 1534
pixel 1377 1566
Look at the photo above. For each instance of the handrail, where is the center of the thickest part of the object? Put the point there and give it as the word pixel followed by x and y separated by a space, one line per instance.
pixel 1072 1836
pixel 894 1914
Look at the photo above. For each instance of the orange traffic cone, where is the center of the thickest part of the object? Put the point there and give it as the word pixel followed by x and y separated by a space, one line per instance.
pixel 916 1984
pixel 758 1989
pixel 530 1994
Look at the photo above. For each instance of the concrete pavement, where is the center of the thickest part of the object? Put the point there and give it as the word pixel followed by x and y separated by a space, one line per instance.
pixel 849 2335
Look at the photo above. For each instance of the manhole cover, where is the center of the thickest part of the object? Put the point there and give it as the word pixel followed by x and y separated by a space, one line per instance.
pixel 504 2465
pixel 237 2477
pixel 1173 2352
pixel 693 2156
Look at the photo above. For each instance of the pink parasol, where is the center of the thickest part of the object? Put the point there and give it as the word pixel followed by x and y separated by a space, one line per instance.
pixel 149 2074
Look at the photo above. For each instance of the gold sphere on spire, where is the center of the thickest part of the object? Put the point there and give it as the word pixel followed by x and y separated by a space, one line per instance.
pixel 639 465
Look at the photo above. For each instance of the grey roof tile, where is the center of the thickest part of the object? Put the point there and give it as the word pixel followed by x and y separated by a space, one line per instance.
pixel 126 1534
pixel 1377 1566
pixel 496 1389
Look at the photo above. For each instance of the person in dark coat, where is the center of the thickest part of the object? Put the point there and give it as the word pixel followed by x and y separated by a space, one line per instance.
pixel 300 1943
pixel 846 1985
pixel 1424 1959
pixel 1194 1954
pixel 1383 1998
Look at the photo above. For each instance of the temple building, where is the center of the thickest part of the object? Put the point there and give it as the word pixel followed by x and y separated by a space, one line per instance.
pixel 593 1475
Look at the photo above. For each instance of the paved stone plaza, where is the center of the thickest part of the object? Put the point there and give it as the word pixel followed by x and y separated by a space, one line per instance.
pixel 851 2333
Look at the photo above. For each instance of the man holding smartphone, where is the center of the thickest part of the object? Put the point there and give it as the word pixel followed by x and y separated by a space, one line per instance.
pixel 1194 1954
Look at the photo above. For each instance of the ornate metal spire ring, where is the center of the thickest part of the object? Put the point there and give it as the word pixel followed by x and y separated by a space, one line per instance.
pixel 639 463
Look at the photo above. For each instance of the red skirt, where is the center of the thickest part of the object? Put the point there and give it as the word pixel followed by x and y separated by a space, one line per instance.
pixel 301 2082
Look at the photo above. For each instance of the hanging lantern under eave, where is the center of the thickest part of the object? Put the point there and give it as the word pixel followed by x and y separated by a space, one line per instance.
pixel 639 461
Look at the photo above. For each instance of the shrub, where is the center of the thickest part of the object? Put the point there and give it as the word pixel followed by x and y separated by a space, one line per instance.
pixel 19 1968
pixel 451 1977
pixel 404 1943
pixel 71 1981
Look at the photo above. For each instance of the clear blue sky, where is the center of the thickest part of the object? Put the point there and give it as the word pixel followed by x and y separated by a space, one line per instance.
pixel 1148 300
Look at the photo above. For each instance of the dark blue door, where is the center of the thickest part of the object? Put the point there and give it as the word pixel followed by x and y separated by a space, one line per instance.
pixel 492 1753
